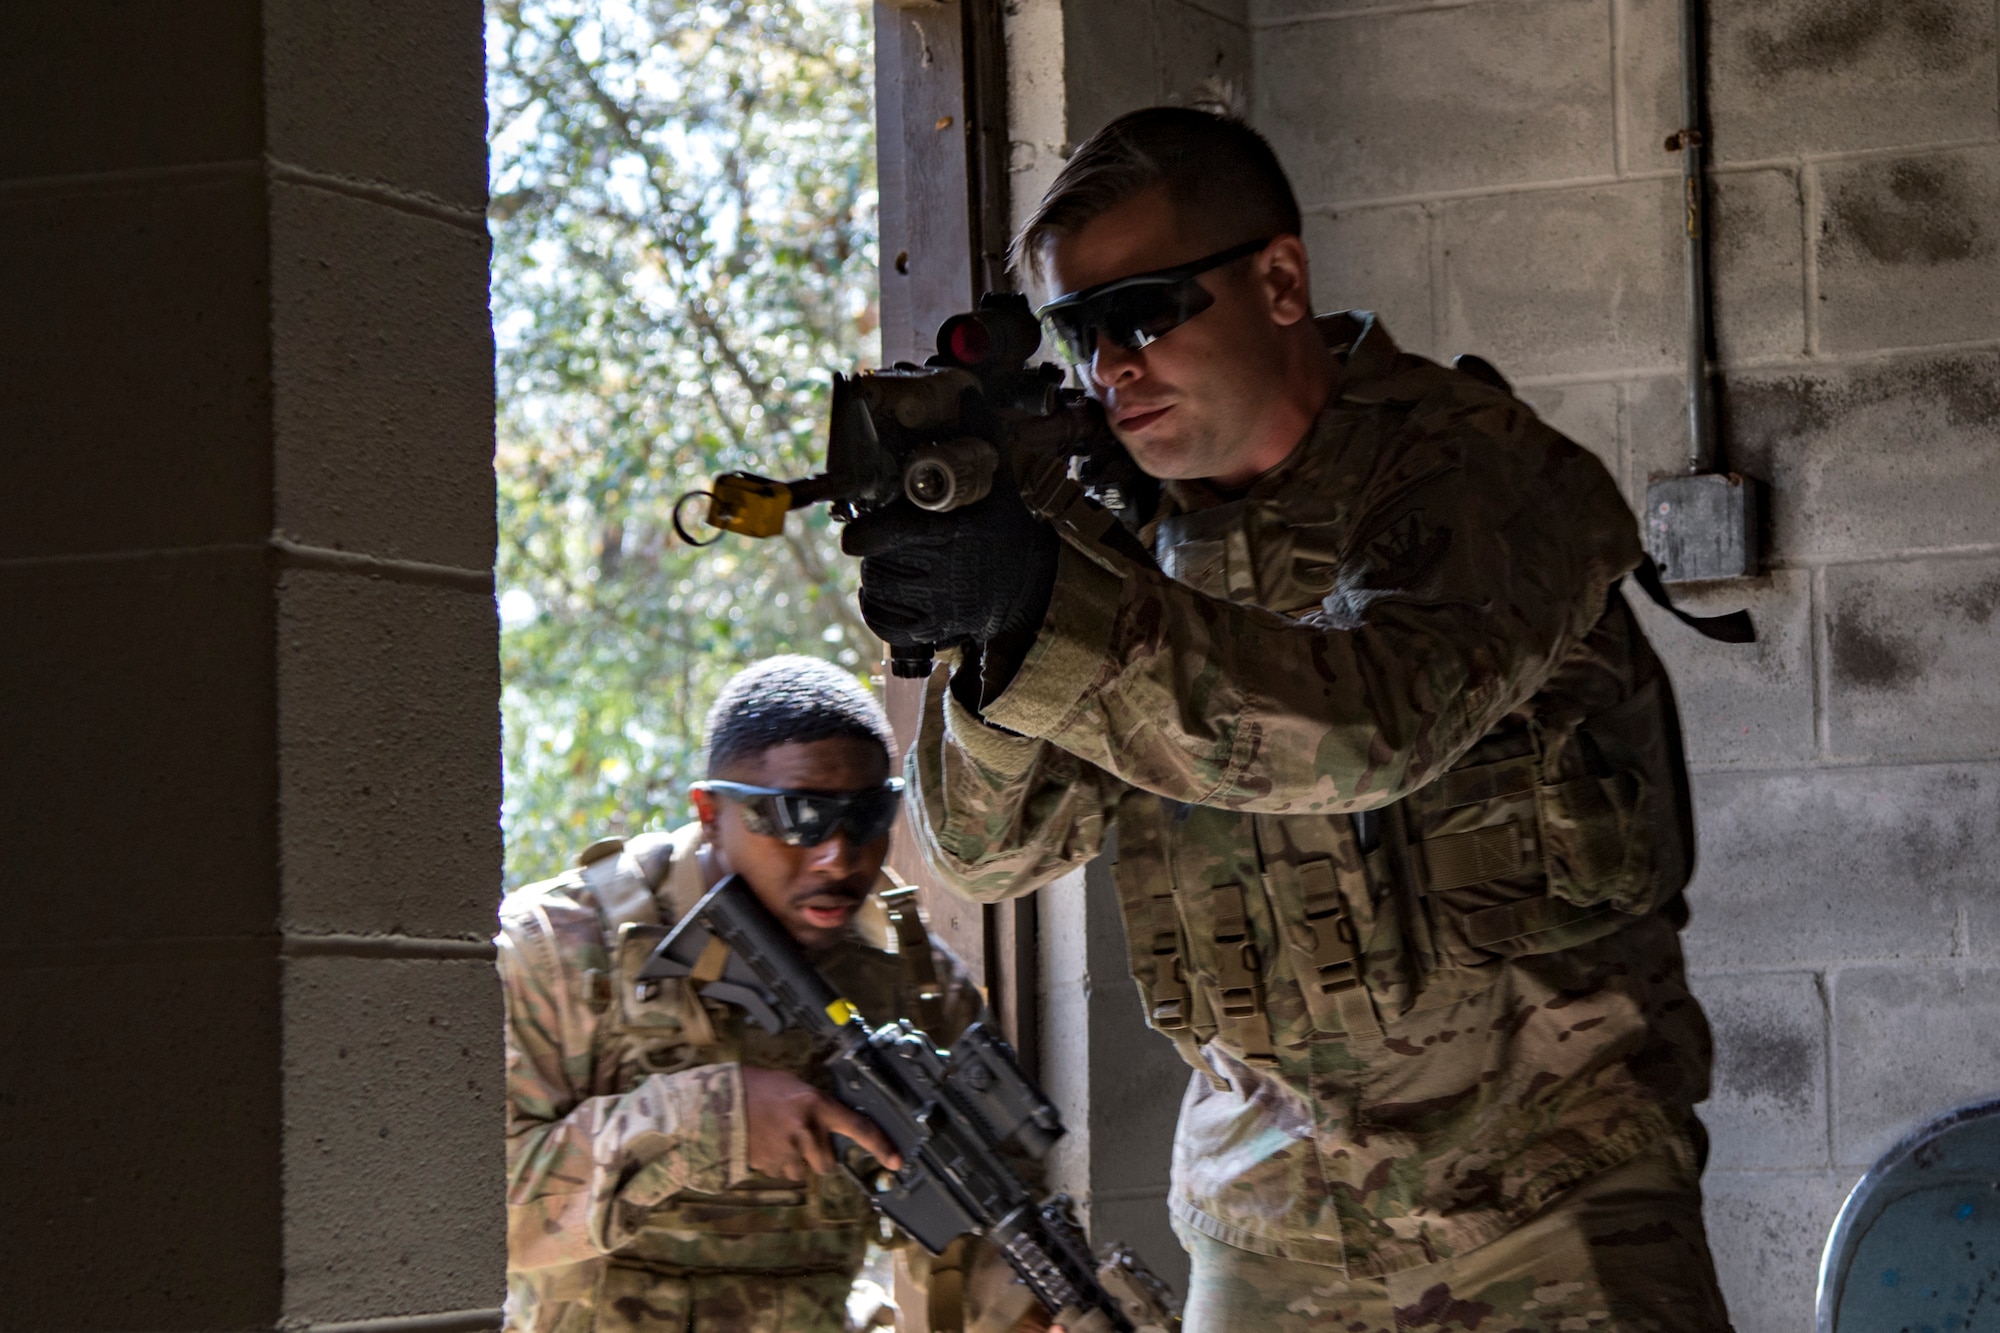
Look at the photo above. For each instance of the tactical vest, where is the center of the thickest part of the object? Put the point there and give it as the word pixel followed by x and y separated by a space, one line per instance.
pixel 1550 833
pixel 639 1028
pixel 1569 821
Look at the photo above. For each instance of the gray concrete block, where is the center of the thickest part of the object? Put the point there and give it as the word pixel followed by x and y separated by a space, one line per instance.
pixel 1656 430
pixel 1913 657
pixel 1233 11
pixel 1376 259
pixel 139 1124
pixel 1037 105
pixel 1566 281
pixel 380 91
pixel 1196 46
pixel 393 1147
pixel 1111 64
pixel 389 757
pixel 1756 265
pixel 1137 1079
pixel 1649 82
pixel 1766 1230
pixel 1438 99
pixel 1818 866
pixel 382 361
pixel 1806 76
pixel 1768 1107
pixel 1909 250
pixel 1909 1042
pixel 1593 279
pixel 96 87
pixel 1278 11
pixel 1872 459
pixel 1144 1224
pixel 135 368
pixel 1742 705
pixel 136 797
pixel 1586 413
pixel 1067 989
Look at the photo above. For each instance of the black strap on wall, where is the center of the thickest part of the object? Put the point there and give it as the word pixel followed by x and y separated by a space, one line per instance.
pixel 1735 627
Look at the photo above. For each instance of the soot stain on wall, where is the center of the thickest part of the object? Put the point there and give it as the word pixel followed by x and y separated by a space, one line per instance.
pixel 1737 217
pixel 1870 657
pixel 1925 213
pixel 1828 36
pixel 1762 415
pixel 1976 603
pixel 1760 1059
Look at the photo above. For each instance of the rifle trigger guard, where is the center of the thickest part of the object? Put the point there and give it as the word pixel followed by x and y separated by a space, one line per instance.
pixel 682 531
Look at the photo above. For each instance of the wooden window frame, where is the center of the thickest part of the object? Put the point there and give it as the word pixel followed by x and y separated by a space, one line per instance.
pixel 941 120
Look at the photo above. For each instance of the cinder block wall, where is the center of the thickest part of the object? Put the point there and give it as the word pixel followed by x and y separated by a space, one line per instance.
pixel 249 1030
pixel 1490 177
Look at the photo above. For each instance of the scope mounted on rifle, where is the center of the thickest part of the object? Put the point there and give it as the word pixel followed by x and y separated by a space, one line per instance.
pixel 936 435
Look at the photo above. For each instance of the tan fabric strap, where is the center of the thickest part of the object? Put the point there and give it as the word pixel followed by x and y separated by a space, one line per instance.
pixel 1458 860
pixel 1239 978
pixel 913 953
pixel 1172 1007
pixel 1336 953
pixel 1530 916
pixel 1485 782
pixel 1324 945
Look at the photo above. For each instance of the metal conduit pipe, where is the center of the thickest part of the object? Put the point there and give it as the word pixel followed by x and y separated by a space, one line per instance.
pixel 1701 524
pixel 1689 139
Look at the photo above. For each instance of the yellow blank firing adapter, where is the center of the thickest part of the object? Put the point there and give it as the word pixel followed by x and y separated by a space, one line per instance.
pixel 841 1010
pixel 750 505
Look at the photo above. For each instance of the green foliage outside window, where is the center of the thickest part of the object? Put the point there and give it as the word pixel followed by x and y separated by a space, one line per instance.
pixel 683 220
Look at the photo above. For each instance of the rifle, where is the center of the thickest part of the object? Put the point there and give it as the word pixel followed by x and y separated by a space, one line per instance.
pixel 937 435
pixel 949 1115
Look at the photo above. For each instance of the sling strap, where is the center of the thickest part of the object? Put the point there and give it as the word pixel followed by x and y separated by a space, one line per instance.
pixel 1735 627
pixel 913 951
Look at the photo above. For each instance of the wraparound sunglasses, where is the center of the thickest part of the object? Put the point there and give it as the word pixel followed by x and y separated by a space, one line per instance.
pixel 808 818
pixel 1138 310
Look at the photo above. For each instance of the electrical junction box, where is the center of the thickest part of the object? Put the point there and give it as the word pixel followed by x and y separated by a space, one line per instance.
pixel 1703 527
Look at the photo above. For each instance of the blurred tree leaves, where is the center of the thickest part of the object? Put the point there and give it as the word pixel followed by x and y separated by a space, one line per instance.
pixel 683 217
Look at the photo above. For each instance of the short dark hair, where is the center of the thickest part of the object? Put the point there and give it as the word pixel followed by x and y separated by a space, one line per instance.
pixel 1220 174
pixel 791 698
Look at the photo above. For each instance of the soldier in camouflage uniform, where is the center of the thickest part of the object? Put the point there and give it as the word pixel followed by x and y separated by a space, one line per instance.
pixel 1401 813
pixel 667 1161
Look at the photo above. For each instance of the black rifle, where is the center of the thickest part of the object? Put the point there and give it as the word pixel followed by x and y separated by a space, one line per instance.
pixel 938 435
pixel 949 1116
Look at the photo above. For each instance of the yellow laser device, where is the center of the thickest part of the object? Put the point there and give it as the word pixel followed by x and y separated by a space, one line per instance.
pixel 750 505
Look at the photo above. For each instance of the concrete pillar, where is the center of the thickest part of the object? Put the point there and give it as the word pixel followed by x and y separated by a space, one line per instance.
pixel 249 1046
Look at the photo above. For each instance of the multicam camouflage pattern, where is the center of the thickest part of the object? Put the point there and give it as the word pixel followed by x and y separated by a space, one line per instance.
pixel 631 1203
pixel 1401 820
pixel 1625 1252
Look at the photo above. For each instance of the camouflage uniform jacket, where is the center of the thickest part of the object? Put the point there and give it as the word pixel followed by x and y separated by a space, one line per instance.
pixel 626 1152
pixel 1401 818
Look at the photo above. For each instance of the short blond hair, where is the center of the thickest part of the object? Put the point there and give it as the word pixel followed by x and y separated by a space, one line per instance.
pixel 1222 176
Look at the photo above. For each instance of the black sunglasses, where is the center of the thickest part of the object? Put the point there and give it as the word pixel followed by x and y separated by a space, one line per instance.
pixel 1135 311
pixel 808 818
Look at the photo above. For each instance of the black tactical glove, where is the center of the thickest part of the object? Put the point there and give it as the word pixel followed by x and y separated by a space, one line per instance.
pixel 975 574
